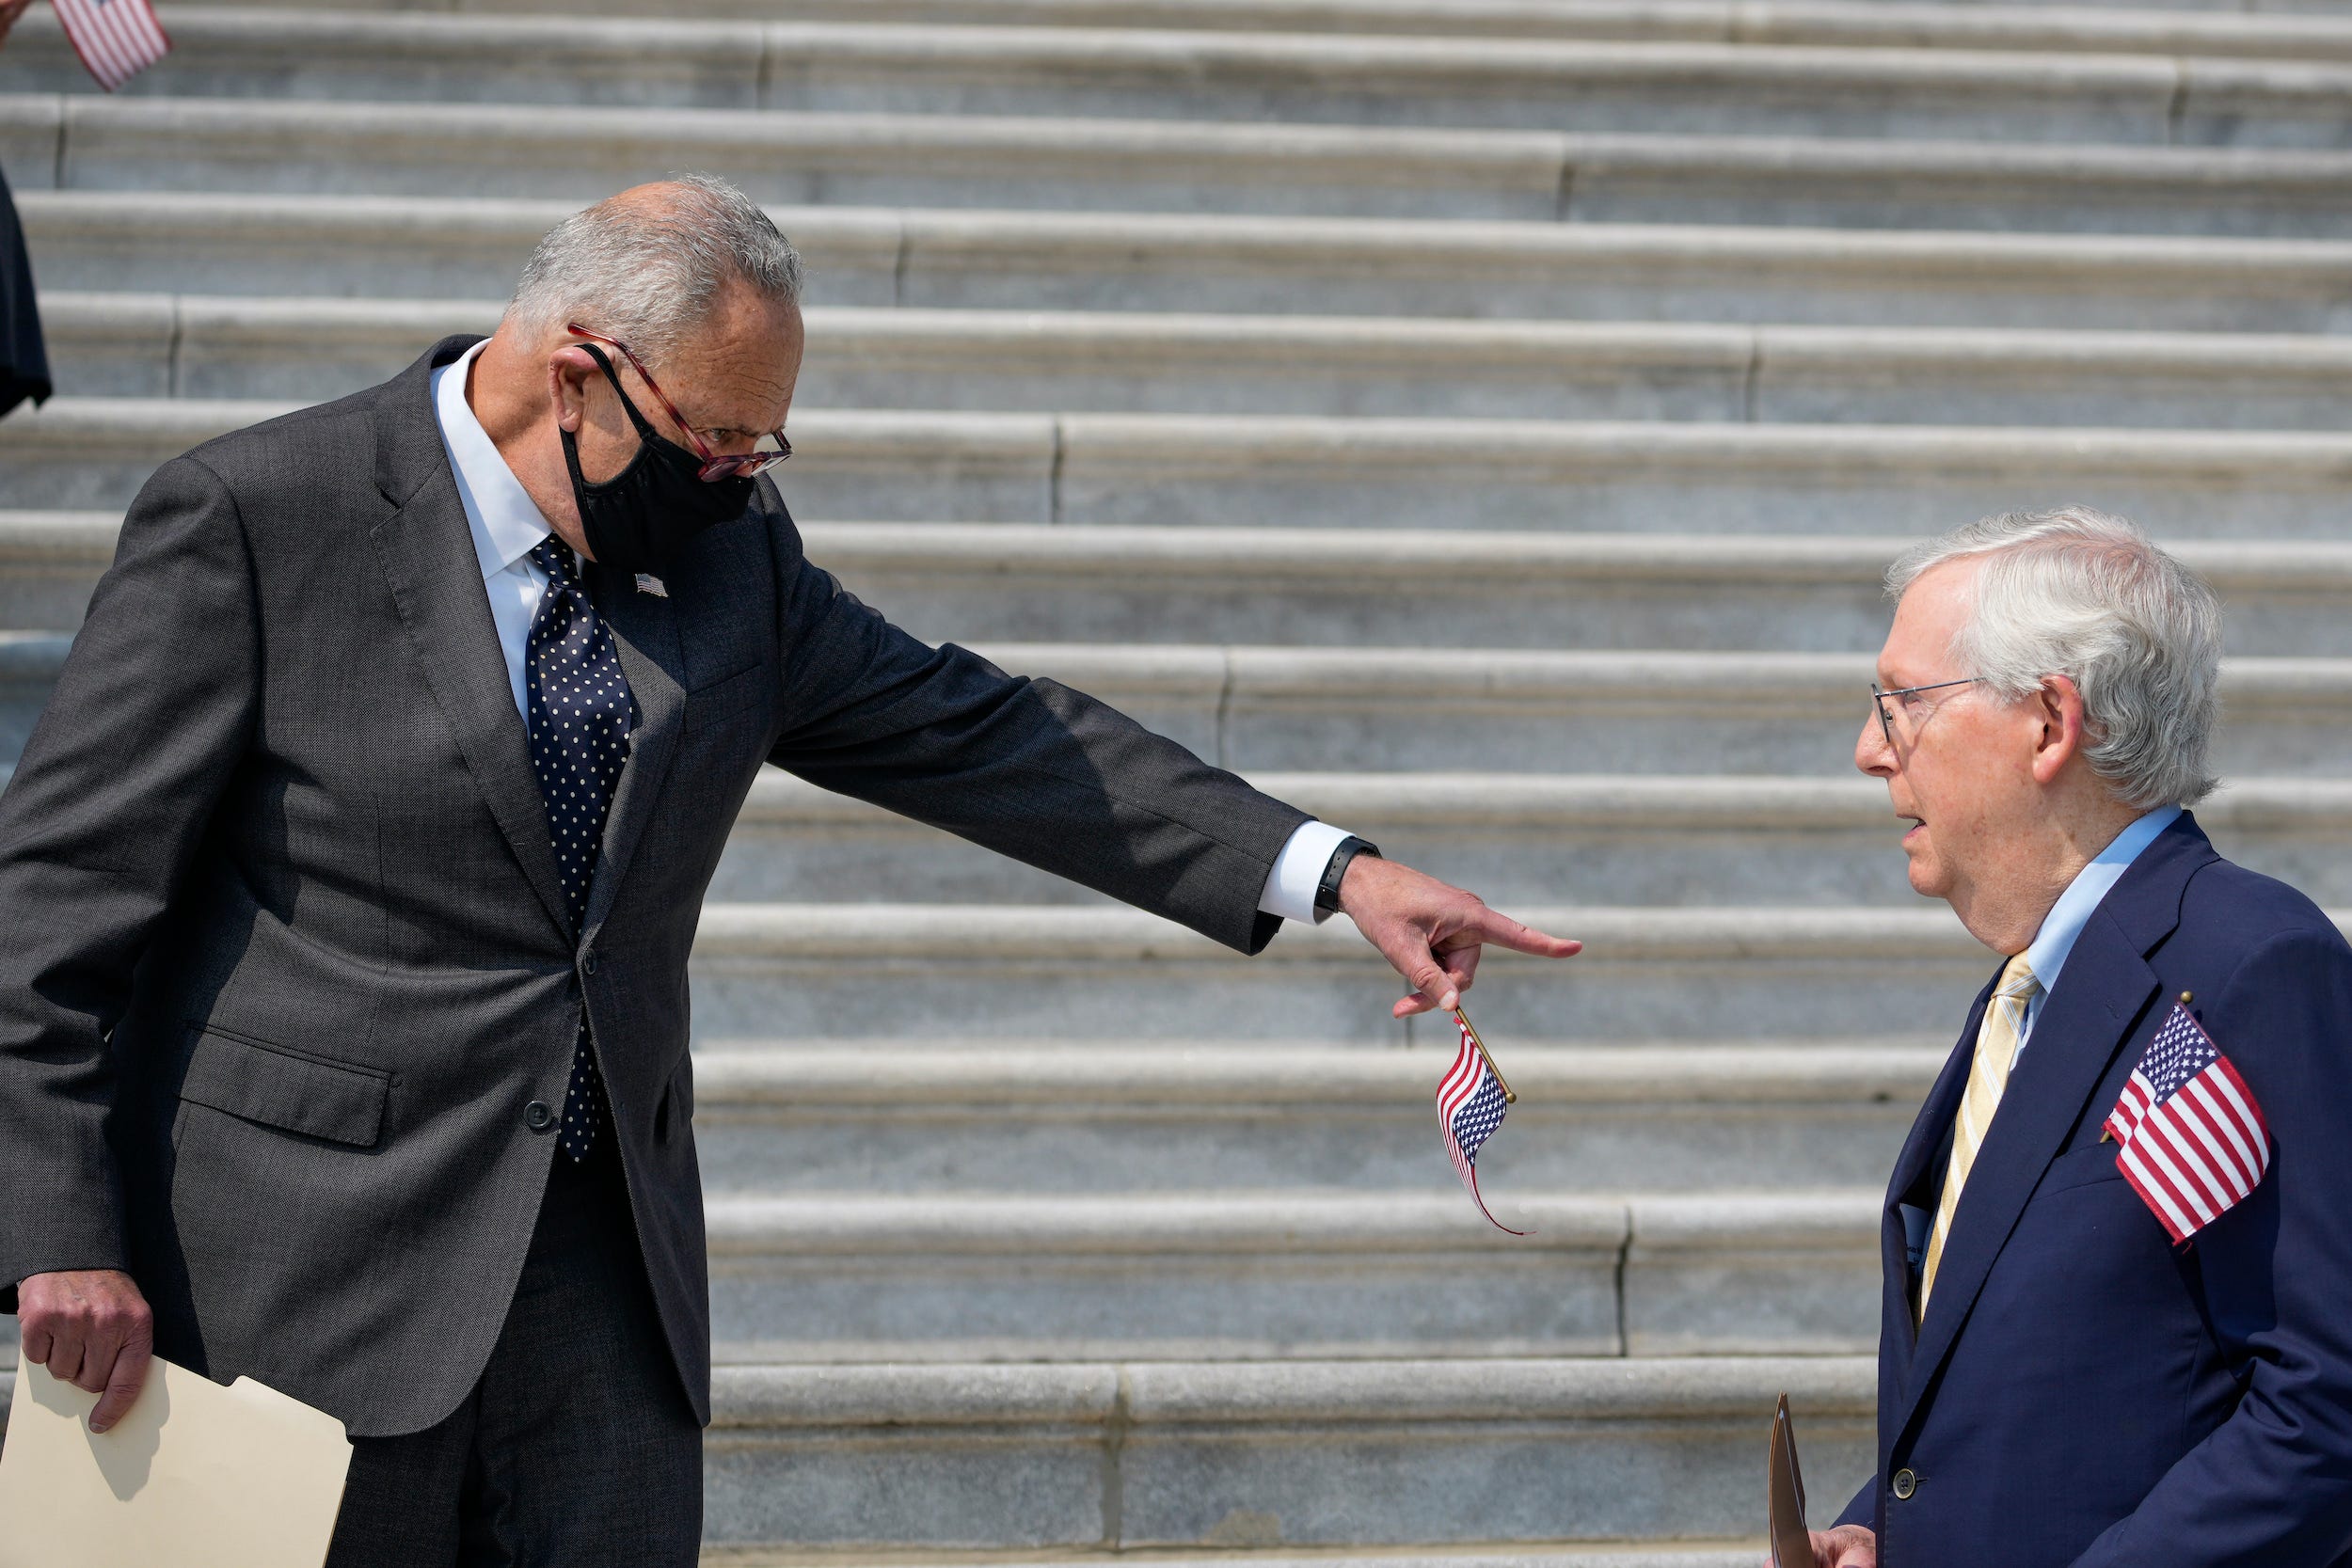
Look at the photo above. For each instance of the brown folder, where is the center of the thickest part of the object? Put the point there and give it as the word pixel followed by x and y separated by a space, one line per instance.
pixel 1792 1545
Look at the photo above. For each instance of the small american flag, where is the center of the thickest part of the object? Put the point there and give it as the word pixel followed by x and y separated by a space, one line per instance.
pixel 116 38
pixel 1471 1102
pixel 2193 1140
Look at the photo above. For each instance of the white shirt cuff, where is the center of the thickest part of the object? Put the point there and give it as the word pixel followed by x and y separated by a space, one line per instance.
pixel 1290 887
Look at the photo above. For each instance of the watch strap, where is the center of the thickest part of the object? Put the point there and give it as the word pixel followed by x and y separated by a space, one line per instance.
pixel 1328 891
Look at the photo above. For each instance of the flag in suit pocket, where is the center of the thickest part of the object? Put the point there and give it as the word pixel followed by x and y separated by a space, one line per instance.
pixel 2193 1141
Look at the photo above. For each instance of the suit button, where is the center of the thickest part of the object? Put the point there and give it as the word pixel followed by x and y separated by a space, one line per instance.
pixel 539 1118
pixel 588 964
pixel 1905 1484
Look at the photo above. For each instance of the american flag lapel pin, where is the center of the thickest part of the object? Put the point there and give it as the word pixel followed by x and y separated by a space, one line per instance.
pixel 648 583
pixel 1472 1101
pixel 2191 1137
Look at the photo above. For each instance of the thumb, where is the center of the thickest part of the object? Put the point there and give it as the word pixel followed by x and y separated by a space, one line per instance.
pixel 122 1386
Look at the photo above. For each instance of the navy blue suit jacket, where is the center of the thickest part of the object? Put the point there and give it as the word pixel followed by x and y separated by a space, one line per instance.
pixel 2082 1391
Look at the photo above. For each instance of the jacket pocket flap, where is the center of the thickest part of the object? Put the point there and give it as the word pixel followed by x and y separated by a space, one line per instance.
pixel 266 1084
pixel 2080 1167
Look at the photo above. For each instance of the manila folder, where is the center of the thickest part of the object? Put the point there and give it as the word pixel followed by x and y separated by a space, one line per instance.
pixel 1792 1546
pixel 194 1475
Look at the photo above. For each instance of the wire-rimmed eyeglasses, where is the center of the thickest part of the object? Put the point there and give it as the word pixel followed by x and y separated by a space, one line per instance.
pixel 1886 717
pixel 716 465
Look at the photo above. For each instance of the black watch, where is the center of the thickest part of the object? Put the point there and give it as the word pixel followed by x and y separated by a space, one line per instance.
pixel 1328 891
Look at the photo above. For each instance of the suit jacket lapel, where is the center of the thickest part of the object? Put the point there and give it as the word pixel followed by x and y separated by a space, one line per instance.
pixel 646 635
pixel 425 550
pixel 2105 987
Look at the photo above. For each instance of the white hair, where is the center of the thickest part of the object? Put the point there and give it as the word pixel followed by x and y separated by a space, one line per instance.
pixel 649 271
pixel 2081 593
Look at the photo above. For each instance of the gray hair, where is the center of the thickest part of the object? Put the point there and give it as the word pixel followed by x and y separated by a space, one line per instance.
pixel 2088 595
pixel 650 271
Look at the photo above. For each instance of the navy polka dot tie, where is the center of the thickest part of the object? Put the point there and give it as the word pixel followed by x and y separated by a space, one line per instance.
pixel 581 715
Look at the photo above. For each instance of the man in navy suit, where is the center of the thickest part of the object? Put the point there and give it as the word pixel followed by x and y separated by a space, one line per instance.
pixel 2059 1383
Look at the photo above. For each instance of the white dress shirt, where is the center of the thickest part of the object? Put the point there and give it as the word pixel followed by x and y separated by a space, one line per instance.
pixel 507 525
pixel 2047 957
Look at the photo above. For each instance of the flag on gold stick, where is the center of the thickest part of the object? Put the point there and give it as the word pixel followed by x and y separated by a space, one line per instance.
pixel 1472 1100
pixel 116 38
pixel 2193 1142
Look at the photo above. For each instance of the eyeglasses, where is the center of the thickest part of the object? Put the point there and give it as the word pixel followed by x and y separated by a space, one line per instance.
pixel 1886 716
pixel 716 465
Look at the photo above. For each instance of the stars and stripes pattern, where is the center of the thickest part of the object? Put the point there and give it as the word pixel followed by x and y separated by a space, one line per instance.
pixel 116 38
pixel 1471 1104
pixel 2194 1143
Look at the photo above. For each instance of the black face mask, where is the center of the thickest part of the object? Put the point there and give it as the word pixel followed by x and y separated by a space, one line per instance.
pixel 640 518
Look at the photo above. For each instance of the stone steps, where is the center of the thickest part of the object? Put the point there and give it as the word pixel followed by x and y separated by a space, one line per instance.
pixel 1027 582
pixel 1598 475
pixel 1277 708
pixel 205 346
pixel 1588 85
pixel 2141 29
pixel 854 1277
pixel 1691 1554
pixel 910 1120
pixel 1177 1454
pixel 1047 1231
pixel 458 249
pixel 228 145
pixel 847 972
pixel 1222 1457
pixel 1648 840
pixel 1654 840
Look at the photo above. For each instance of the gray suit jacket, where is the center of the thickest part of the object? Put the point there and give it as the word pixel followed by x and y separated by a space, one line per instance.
pixel 282 952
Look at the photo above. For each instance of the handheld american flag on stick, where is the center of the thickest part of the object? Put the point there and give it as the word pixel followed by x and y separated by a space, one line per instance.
pixel 116 38
pixel 2194 1144
pixel 1471 1102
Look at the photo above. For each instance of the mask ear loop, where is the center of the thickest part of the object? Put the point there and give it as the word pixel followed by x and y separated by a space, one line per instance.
pixel 645 431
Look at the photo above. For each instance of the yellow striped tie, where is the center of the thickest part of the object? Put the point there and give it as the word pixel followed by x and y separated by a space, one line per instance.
pixel 1998 1040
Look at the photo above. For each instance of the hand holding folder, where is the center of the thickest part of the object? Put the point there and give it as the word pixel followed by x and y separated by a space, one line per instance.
pixel 194 1475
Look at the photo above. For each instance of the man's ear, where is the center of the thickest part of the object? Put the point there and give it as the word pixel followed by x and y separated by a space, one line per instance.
pixel 2057 709
pixel 569 369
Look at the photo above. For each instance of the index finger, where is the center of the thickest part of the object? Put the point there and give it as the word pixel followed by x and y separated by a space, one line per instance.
pixel 1503 932
pixel 122 1386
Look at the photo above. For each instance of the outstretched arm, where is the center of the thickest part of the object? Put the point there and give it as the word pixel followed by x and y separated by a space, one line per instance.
pixel 1051 776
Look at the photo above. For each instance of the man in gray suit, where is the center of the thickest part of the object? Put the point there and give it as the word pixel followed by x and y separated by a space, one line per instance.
pixel 348 882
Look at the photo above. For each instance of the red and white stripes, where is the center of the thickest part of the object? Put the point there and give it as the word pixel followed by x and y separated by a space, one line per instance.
pixel 116 38
pixel 2194 1143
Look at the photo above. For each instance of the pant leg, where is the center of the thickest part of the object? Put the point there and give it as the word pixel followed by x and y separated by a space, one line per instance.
pixel 401 1499
pixel 586 1452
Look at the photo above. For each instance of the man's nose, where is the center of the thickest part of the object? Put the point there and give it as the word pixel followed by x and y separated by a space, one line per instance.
pixel 1872 755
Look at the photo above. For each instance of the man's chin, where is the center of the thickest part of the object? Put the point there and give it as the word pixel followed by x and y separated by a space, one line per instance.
pixel 1927 878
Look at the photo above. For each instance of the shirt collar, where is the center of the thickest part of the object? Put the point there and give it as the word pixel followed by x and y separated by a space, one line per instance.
pixel 505 522
pixel 2090 888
